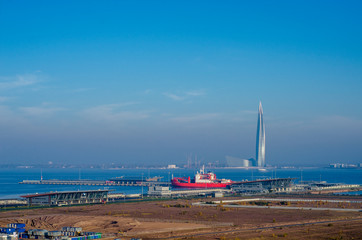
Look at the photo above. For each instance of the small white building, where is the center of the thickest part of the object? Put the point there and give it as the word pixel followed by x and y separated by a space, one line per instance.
pixel 159 191
pixel 218 194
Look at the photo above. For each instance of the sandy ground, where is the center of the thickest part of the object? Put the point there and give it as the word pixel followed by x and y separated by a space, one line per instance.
pixel 178 219
pixel 110 225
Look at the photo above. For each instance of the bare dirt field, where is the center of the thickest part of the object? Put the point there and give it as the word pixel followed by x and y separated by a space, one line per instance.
pixel 304 204
pixel 178 219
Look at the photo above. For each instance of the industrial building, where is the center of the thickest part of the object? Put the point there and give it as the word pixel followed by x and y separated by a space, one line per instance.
pixel 67 198
pixel 239 162
pixel 162 191
pixel 263 185
pixel 15 231
pixel 4 203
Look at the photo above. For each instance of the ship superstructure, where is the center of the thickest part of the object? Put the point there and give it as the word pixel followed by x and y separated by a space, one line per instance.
pixel 201 180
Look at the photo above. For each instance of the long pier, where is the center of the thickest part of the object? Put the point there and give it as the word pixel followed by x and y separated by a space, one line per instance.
pixel 130 183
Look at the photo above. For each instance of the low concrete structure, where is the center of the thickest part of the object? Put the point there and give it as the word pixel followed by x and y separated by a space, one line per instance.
pixel 68 198
pixel 217 194
pixel 263 186
pixel 12 203
pixel 166 192
pixel 159 191
pixel 323 186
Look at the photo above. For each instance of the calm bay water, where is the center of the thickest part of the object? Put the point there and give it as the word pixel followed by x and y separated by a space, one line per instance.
pixel 10 178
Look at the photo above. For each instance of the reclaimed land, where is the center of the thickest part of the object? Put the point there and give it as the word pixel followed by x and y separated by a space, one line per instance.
pixel 180 219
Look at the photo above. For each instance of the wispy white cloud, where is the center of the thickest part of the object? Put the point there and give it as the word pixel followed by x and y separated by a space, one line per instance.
pixel 5 113
pixel 337 121
pixel 4 99
pixel 321 123
pixel 82 90
pixel 114 113
pixel 42 111
pixel 213 117
pixel 18 81
pixel 174 96
pixel 249 112
pixel 195 93
pixel 196 117
pixel 184 95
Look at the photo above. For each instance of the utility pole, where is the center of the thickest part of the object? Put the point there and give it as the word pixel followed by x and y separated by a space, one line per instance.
pixel 142 185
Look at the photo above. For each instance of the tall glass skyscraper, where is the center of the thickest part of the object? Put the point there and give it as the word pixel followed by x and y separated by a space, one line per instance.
pixel 260 139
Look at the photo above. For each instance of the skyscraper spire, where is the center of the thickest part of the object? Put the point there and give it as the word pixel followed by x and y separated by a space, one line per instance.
pixel 260 139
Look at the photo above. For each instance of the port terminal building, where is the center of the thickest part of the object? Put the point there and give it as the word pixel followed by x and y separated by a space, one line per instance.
pixel 67 198
pixel 164 191
pixel 263 185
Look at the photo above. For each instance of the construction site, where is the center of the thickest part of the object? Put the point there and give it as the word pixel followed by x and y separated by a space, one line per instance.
pixel 14 231
pixel 264 217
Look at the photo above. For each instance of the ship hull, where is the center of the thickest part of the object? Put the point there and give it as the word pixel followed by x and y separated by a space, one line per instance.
pixel 199 185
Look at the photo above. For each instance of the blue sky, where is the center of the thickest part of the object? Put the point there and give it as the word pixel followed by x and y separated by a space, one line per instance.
pixel 149 82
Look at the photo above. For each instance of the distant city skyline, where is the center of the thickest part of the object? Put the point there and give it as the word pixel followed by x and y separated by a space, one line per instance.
pixel 150 82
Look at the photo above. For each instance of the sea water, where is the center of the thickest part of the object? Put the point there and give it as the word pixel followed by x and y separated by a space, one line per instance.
pixel 10 178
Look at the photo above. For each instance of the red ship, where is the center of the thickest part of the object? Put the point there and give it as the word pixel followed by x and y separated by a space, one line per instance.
pixel 201 180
